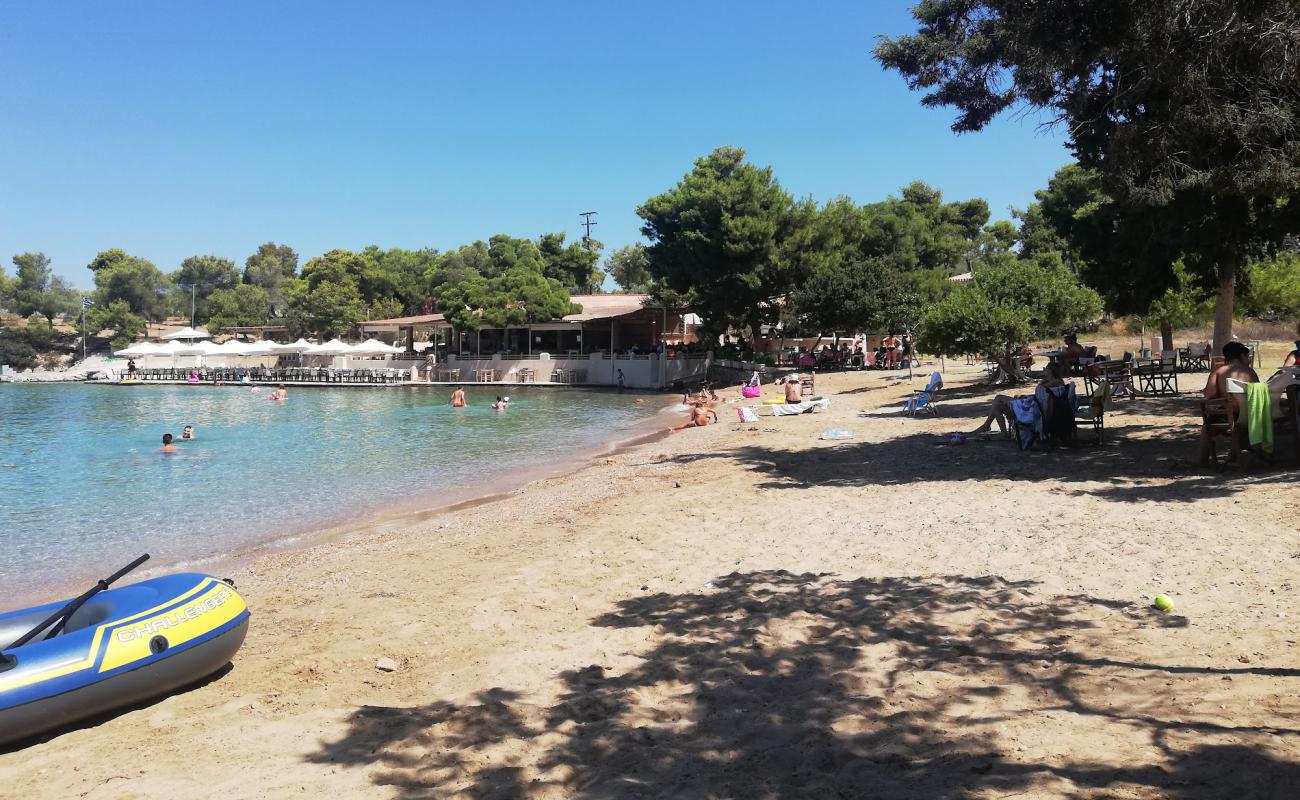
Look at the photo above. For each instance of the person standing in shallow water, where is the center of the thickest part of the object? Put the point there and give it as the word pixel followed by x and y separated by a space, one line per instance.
pixel 458 398
pixel 167 447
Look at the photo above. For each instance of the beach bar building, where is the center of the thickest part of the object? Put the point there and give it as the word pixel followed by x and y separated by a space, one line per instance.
pixel 613 335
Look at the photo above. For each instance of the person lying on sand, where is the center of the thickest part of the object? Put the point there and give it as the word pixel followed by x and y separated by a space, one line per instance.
pixel 699 417
pixel 1000 408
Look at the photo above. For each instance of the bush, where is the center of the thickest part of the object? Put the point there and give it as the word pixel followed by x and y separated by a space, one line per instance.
pixel 16 349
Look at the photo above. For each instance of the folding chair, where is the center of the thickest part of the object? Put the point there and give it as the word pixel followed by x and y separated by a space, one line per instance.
pixel 1094 412
pixel 924 399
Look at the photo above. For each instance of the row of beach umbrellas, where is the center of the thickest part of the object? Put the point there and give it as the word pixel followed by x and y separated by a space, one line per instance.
pixel 234 347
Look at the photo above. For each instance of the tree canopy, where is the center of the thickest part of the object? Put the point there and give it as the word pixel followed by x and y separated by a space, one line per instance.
pixel 134 281
pixel 630 268
pixel 35 289
pixel 1188 110
pixel 1009 303
pixel 717 234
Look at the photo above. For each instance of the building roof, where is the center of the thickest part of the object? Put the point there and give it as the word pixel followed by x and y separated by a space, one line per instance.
pixel 402 322
pixel 594 306
pixel 604 306
pixel 965 277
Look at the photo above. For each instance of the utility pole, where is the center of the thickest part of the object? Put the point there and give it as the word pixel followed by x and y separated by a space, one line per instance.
pixel 586 224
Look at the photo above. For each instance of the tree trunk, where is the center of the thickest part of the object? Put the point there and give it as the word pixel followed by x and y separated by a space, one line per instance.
pixel 1223 306
pixel 1166 335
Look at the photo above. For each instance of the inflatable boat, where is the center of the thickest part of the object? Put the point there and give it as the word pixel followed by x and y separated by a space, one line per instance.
pixel 111 648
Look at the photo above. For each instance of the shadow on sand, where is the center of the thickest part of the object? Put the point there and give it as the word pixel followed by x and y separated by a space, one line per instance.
pixel 773 684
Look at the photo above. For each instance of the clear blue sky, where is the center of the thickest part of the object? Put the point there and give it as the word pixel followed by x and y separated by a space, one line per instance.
pixel 175 128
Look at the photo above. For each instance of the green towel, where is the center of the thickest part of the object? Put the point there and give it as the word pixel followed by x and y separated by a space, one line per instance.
pixel 1259 416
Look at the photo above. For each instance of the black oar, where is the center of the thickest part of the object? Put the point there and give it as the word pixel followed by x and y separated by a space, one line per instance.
pixel 63 614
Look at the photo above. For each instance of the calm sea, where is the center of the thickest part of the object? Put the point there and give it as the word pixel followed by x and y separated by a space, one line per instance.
pixel 83 488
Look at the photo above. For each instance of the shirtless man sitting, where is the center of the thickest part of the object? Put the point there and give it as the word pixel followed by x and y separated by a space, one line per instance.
pixel 699 417
pixel 1236 366
pixel 793 390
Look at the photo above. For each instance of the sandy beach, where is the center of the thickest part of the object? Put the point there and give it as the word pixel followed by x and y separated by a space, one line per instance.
pixel 751 612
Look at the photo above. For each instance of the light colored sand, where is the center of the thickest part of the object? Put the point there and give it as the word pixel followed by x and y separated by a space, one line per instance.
pixel 751 614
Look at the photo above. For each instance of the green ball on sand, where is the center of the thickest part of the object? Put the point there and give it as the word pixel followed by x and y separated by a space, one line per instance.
pixel 1163 603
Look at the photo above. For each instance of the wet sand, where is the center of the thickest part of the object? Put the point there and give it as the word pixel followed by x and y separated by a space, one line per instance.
pixel 748 611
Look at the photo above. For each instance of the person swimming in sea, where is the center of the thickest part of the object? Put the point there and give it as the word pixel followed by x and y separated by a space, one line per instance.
pixel 187 433
pixel 458 398
pixel 167 447
pixel 281 393
pixel 501 404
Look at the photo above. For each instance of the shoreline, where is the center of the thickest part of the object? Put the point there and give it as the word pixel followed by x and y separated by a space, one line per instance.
pixel 358 526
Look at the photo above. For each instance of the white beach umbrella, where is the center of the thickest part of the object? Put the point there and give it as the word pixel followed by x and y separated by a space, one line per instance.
pixel 334 347
pixel 300 346
pixel 203 348
pixel 374 347
pixel 187 333
pixel 258 348
pixel 171 348
pixel 139 349
pixel 233 347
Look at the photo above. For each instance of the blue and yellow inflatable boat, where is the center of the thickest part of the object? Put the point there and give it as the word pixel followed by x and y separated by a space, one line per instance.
pixel 112 648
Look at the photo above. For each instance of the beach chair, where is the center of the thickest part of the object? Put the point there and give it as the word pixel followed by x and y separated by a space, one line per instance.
pixel 1159 376
pixel 1047 418
pixel 1093 413
pixel 807 382
pixel 923 400
pixel 1219 420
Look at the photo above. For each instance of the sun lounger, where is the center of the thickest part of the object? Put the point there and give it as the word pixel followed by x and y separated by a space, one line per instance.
pixel 924 400
pixel 805 407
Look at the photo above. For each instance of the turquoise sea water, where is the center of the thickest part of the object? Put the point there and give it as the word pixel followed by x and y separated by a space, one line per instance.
pixel 83 488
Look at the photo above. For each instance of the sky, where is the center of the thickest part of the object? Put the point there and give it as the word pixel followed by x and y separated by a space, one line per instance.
pixel 175 129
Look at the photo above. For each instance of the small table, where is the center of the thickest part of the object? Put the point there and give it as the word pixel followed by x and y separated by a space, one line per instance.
pixel 485 375
pixel 449 375
pixel 560 376
pixel 526 375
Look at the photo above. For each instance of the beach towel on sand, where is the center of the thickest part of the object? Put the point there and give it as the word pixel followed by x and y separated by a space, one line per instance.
pixel 805 407
pixel 1259 416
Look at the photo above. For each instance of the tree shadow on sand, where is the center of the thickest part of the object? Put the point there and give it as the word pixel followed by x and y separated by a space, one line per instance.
pixel 1137 462
pixel 773 684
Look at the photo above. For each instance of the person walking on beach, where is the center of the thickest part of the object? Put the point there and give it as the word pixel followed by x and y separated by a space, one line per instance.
pixel 458 398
